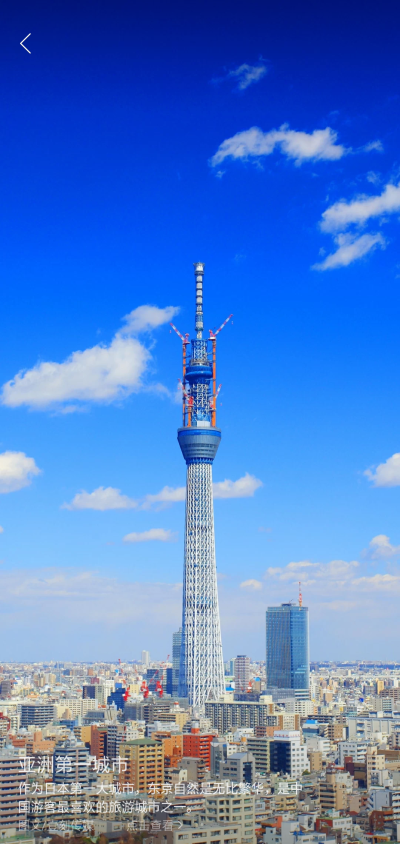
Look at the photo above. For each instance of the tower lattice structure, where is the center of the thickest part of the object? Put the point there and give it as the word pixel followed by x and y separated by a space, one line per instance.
pixel 201 672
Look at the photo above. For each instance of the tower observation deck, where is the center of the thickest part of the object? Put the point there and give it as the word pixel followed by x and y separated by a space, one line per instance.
pixel 201 672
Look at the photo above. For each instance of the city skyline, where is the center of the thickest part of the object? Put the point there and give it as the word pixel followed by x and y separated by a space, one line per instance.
pixel 126 157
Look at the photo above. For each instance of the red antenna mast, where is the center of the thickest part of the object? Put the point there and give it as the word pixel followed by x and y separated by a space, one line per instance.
pixel 300 595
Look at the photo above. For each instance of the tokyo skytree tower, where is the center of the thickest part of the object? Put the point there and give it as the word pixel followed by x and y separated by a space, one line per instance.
pixel 201 674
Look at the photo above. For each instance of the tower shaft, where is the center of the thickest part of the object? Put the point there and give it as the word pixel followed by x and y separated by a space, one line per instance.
pixel 201 673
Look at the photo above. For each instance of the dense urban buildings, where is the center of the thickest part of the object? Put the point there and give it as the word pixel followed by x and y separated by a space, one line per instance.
pixel 326 767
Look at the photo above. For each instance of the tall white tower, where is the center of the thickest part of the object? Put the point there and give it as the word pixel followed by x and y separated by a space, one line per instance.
pixel 201 674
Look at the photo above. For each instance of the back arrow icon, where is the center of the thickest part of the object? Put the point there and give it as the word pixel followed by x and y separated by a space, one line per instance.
pixel 23 45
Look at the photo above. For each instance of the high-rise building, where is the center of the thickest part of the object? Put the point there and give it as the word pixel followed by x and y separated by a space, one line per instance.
pixel 226 716
pixel 36 714
pixel 145 658
pixel 259 747
pixel 287 649
pixel 176 658
pixel 218 755
pixel 287 754
pixel 143 763
pixel 12 777
pixel 239 767
pixel 71 762
pixel 201 675
pixel 242 673
pixel 89 692
pixel 198 744
pixel 98 741
pixel 115 737
pixel 5 689
pixel 228 810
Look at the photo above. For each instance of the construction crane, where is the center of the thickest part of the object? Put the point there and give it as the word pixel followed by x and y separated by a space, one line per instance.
pixel 213 338
pixel 187 400
pixel 127 693
pixel 144 689
pixel 213 399
pixel 185 342
pixel 187 403
pixel 159 687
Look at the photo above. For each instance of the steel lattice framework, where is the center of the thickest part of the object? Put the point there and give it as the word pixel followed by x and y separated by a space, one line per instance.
pixel 201 645
pixel 201 674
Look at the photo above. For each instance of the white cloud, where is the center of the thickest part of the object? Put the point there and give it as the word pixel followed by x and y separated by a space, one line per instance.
pixel 349 249
pixel 354 617
pixel 102 498
pixel 339 216
pixel 300 146
pixel 1 529
pixel 377 581
pixel 87 597
pixel 16 471
pixel 386 474
pixel 373 146
pixel 168 495
pixel 244 487
pixel 253 585
pixel 102 373
pixel 380 548
pixel 337 573
pixel 373 177
pixel 155 534
pixel 147 318
pixel 356 212
pixel 247 74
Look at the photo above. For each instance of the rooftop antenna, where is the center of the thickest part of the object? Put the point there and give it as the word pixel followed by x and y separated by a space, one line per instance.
pixel 300 595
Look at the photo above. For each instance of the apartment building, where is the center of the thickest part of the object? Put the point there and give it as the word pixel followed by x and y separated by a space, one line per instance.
pixel 36 714
pixel 333 793
pixel 198 744
pixel 259 747
pixel 71 762
pixel 228 715
pixel 11 777
pixel 375 762
pixel 242 673
pixel 144 759
pixel 239 767
pixel 234 808
pixel 287 754
pixel 356 749
pixel 98 741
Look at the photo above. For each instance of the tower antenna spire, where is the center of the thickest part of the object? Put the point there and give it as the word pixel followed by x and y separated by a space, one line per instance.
pixel 199 273
pixel 300 595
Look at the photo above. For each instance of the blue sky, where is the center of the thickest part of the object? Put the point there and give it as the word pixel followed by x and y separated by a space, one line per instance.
pixel 263 142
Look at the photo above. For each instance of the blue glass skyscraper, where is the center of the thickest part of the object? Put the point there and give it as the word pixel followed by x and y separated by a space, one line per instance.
pixel 287 649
